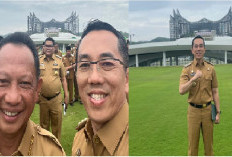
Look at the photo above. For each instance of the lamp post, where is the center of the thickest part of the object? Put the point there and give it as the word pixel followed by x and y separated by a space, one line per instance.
pixel 131 35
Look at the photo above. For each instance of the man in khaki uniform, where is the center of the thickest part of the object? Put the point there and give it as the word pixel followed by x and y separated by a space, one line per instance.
pixel 69 62
pixel 53 75
pixel 57 51
pixel 19 88
pixel 76 92
pixel 103 80
pixel 199 79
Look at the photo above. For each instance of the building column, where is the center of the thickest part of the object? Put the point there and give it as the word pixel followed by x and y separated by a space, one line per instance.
pixel 164 58
pixel 137 60
pixel 63 48
pixel 170 61
pixel 225 57
pixel 176 57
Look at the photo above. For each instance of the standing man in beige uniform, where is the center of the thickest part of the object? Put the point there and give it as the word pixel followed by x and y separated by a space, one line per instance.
pixel 76 92
pixel 199 79
pixel 53 75
pixel 103 80
pixel 69 64
pixel 57 50
pixel 19 88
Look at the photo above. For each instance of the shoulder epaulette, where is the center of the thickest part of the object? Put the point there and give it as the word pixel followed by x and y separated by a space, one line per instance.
pixel 40 56
pixel 58 56
pixel 209 63
pixel 187 65
pixel 81 124
pixel 48 134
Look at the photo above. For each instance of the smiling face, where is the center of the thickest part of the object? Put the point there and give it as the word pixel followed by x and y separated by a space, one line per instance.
pixel 18 88
pixel 49 48
pixel 198 49
pixel 102 92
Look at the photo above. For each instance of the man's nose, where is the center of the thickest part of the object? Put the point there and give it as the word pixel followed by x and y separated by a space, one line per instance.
pixel 95 76
pixel 13 96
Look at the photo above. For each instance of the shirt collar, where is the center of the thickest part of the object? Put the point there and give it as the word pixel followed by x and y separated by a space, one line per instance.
pixel 111 133
pixel 53 56
pixel 27 139
pixel 196 64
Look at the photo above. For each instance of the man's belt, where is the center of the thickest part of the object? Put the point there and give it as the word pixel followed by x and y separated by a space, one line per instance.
pixel 49 98
pixel 200 106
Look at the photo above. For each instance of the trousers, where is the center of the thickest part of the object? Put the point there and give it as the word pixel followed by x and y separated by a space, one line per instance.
pixel 51 115
pixel 199 120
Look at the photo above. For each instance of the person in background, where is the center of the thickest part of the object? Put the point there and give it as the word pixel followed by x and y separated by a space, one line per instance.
pixel 53 74
pixel 57 51
pixel 69 64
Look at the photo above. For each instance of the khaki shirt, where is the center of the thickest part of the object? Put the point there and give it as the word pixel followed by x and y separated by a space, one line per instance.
pixel 37 141
pixel 59 53
pixel 51 72
pixel 73 51
pixel 201 90
pixel 112 139
pixel 68 61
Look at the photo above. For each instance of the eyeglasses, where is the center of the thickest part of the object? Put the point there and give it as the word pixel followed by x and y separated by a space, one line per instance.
pixel 200 46
pixel 49 45
pixel 106 64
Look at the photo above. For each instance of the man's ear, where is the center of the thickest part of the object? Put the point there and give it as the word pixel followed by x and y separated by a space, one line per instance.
pixel 127 81
pixel 38 89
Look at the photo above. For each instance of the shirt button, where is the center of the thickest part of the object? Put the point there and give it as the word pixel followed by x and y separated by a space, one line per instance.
pixel 96 139
pixel 78 152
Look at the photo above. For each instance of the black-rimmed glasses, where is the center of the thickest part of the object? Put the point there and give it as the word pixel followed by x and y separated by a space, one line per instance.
pixel 105 64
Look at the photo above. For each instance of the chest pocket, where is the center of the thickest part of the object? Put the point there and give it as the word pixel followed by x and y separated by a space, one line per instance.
pixel 56 70
pixel 208 79
pixel 42 70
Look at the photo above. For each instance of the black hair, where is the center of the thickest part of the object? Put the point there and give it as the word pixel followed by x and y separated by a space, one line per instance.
pixel 122 45
pixel 21 38
pixel 50 39
pixel 198 37
pixel 68 48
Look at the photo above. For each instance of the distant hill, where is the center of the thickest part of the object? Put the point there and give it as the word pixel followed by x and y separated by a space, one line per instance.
pixel 158 39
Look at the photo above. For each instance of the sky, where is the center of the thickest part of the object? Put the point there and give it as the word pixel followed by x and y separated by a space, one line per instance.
pixel 13 13
pixel 150 19
pixel 144 20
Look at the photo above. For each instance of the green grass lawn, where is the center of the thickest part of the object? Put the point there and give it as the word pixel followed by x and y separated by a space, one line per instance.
pixel 73 115
pixel 158 113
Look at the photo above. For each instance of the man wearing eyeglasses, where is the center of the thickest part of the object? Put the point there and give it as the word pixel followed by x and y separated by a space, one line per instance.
pixel 199 79
pixel 53 75
pixel 103 80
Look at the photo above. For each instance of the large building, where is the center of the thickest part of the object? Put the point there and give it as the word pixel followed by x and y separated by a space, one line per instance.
pixel 71 24
pixel 180 27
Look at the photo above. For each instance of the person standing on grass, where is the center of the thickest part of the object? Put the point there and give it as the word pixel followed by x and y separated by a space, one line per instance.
pixel 69 64
pixel 103 82
pixel 20 84
pixel 200 80
pixel 53 74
